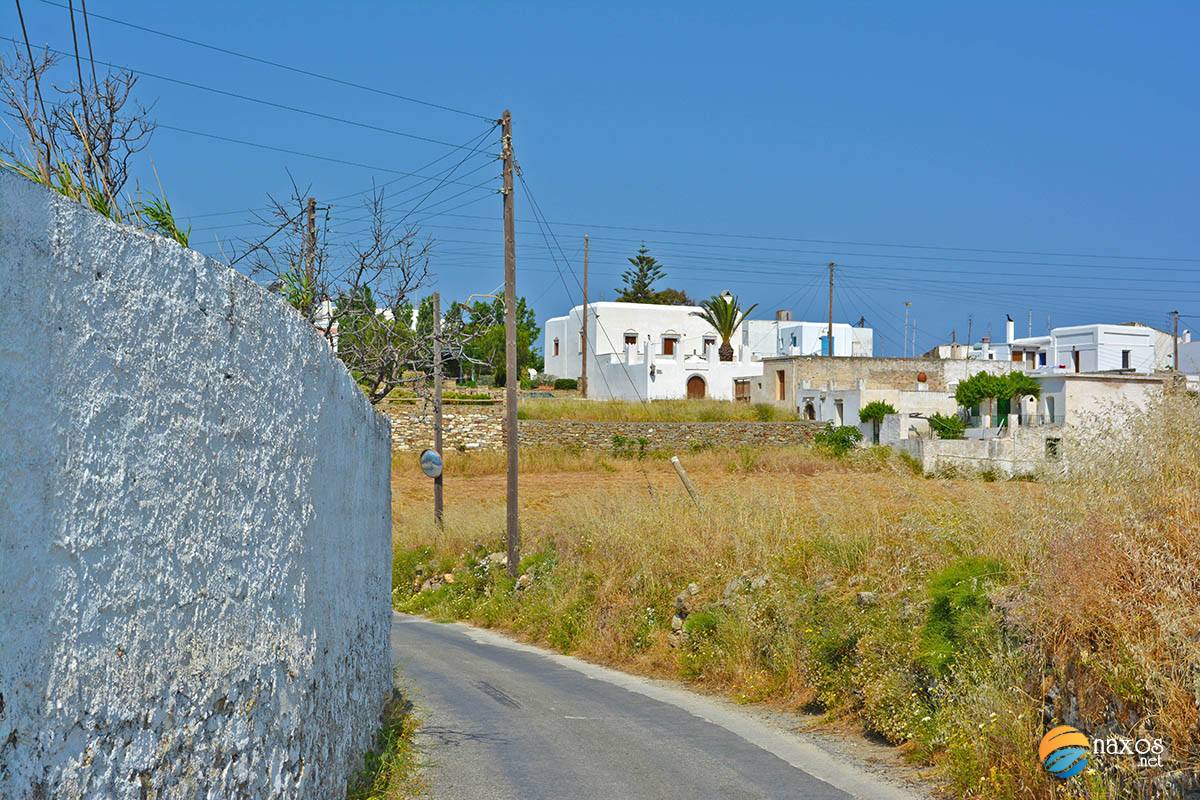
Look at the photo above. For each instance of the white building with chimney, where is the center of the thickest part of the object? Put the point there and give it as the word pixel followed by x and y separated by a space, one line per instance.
pixel 1099 347
pixel 642 351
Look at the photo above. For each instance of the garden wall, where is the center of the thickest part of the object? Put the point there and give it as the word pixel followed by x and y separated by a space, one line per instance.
pixel 471 427
pixel 195 526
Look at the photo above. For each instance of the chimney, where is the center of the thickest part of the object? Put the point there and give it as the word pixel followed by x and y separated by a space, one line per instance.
pixel 783 315
pixel 1009 328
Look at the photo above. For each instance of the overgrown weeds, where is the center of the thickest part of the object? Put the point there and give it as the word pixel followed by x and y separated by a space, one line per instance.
pixel 391 770
pixel 958 617
pixel 656 411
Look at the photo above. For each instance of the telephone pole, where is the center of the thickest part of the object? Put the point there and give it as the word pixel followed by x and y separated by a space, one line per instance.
pixel 907 306
pixel 1030 323
pixel 830 333
pixel 583 388
pixel 512 526
pixel 310 251
pixel 1175 340
pixel 437 403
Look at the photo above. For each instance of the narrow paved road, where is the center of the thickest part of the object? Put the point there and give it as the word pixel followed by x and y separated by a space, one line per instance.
pixel 506 721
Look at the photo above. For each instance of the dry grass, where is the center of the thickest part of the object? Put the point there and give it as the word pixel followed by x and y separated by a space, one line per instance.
pixel 1080 596
pixel 657 411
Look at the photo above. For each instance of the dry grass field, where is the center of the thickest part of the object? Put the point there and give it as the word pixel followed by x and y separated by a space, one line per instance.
pixel 955 617
pixel 658 411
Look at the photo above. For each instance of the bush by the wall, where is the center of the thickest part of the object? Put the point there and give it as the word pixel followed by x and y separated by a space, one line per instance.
pixel 566 383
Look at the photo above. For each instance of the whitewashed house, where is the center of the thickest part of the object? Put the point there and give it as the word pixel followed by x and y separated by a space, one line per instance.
pixel 1078 348
pixel 784 336
pixel 645 351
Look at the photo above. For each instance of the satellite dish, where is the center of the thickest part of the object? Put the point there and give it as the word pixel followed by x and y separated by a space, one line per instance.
pixel 431 463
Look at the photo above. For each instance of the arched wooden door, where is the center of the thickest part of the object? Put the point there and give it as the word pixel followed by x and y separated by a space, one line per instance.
pixel 695 388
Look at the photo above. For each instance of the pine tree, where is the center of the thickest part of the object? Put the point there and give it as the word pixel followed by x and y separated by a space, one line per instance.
pixel 639 279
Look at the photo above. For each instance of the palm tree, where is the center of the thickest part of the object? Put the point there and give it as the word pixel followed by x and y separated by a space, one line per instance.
pixel 725 315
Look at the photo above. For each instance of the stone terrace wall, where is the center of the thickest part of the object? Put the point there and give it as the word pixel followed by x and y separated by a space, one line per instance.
pixel 467 427
pixel 664 435
pixel 464 426
pixel 195 530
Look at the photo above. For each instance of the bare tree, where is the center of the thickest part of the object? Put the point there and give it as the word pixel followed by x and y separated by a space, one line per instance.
pixel 358 291
pixel 78 134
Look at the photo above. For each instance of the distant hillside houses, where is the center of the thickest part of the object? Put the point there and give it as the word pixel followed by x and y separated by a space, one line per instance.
pixel 642 351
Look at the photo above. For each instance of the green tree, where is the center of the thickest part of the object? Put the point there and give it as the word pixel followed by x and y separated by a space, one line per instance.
pixel 640 278
pixel 485 335
pixel 725 315
pixel 874 412
pixel 673 297
pixel 979 387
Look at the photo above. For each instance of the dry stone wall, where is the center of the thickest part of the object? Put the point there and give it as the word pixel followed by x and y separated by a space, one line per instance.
pixel 195 528
pixel 467 427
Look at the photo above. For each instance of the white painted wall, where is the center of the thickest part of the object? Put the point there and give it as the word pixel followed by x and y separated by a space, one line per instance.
pixel 641 374
pixel 1099 346
pixel 194 525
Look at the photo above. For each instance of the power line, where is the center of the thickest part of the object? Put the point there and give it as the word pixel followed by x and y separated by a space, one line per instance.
pixel 279 65
pixel 260 101
pixel 285 150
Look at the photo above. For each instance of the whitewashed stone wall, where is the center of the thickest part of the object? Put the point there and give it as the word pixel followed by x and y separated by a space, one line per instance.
pixel 194 525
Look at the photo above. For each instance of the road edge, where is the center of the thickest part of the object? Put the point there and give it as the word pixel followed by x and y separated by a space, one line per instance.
pixel 792 747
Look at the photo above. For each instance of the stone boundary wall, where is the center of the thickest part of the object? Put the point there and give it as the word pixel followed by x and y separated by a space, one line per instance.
pixel 664 435
pixel 470 427
pixel 195 527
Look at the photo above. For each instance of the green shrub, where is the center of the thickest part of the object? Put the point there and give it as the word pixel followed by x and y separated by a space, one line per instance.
pixel 566 383
pixel 837 440
pixel 947 426
pixel 875 411
pixel 630 447
pixel 959 617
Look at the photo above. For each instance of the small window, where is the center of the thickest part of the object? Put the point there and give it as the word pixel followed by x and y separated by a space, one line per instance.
pixel 1125 359
pixel 1053 449
pixel 1041 359
pixel 668 345
pixel 708 344
pixel 631 338
pixel 556 346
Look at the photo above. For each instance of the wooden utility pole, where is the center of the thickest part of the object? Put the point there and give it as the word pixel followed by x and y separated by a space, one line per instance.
pixel 1175 340
pixel 830 338
pixel 437 403
pixel 310 244
pixel 583 335
pixel 510 347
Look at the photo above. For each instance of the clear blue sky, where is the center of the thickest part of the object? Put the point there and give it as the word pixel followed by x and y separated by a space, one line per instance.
pixel 1070 130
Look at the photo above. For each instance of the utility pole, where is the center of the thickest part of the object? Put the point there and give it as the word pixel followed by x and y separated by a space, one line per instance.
pixel 831 267
pixel 1030 323
pixel 970 325
pixel 437 403
pixel 512 526
pixel 583 387
pixel 914 335
pixel 1175 339
pixel 904 347
pixel 310 250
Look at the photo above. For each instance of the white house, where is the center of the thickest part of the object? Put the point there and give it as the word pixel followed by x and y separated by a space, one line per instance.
pixel 642 351
pixel 1080 348
pixel 783 336
pixel 647 351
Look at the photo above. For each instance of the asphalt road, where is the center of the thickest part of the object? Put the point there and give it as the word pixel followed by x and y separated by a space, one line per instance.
pixel 506 721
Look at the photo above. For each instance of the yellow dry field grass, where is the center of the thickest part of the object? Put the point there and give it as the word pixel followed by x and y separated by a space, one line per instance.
pixel 657 411
pixel 956 616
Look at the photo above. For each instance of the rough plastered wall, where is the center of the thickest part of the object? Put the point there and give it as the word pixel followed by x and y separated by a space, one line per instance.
pixel 194 525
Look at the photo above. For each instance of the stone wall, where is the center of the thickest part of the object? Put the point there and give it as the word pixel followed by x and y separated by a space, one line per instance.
pixel 194 525
pixel 678 436
pixel 473 427
pixel 464 426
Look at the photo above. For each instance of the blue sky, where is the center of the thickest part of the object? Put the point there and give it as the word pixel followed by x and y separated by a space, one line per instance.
pixel 768 138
